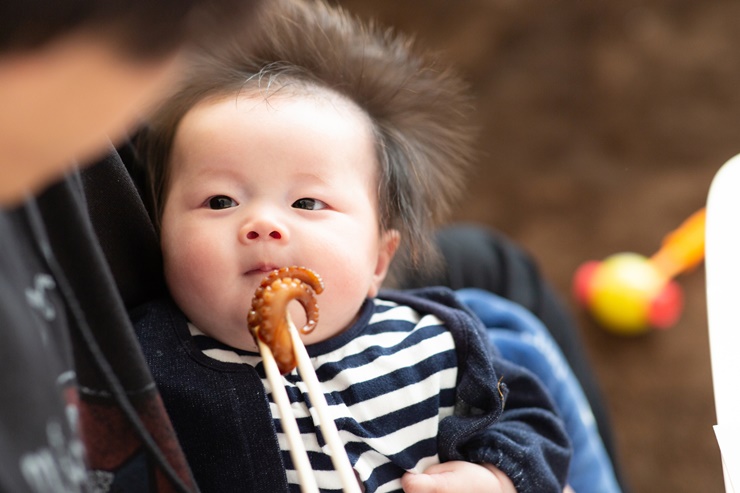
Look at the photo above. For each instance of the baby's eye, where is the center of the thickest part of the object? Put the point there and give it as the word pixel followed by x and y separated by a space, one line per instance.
pixel 218 202
pixel 309 204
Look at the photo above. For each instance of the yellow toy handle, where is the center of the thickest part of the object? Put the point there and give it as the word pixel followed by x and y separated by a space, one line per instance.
pixel 683 248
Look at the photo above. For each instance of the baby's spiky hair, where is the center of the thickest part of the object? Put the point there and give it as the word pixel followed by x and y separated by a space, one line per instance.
pixel 416 108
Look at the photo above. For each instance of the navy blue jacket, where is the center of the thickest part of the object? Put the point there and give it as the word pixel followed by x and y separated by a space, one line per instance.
pixel 221 415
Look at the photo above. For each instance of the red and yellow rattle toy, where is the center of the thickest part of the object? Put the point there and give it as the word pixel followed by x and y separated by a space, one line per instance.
pixel 629 294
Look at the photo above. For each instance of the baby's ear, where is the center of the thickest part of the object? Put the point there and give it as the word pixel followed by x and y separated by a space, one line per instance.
pixel 389 241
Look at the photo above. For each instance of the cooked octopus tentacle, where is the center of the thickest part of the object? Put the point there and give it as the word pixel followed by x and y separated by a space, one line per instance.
pixel 268 318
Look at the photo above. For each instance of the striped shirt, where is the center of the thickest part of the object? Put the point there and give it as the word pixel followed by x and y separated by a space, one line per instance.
pixel 389 380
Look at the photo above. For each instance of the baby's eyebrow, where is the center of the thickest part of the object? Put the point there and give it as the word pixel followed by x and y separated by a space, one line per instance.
pixel 311 177
pixel 218 173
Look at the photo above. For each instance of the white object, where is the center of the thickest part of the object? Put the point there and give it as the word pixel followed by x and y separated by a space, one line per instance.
pixel 722 266
pixel 328 428
pixel 290 427
pixel 288 422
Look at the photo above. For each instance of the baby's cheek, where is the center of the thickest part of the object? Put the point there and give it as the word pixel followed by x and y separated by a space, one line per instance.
pixel 341 306
pixel 178 268
pixel 191 256
pixel 190 277
pixel 191 284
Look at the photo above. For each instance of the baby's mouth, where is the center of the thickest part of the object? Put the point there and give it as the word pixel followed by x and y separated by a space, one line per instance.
pixel 261 270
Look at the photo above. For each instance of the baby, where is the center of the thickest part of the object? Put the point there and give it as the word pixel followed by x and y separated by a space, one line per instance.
pixel 327 147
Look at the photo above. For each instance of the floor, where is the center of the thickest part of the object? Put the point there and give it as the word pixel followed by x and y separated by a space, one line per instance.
pixel 602 125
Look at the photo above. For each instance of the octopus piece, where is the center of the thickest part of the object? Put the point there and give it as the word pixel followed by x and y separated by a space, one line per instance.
pixel 268 319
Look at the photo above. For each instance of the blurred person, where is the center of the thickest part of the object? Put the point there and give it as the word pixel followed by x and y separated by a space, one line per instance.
pixel 80 412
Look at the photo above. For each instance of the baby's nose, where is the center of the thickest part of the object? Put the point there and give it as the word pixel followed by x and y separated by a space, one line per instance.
pixel 253 235
pixel 263 228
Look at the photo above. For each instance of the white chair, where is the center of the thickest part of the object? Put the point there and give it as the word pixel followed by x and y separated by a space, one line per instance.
pixel 722 265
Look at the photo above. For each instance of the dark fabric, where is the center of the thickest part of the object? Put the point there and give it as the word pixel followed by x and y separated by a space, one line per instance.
pixel 75 384
pixel 126 431
pixel 73 242
pixel 478 257
pixel 524 437
pixel 36 377
pixel 219 410
pixel 118 399
pixel 124 230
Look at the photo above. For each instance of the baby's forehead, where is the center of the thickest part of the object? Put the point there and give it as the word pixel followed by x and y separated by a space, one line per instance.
pixel 274 91
pixel 254 107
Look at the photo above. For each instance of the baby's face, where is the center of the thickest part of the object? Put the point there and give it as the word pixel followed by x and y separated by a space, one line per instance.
pixel 260 184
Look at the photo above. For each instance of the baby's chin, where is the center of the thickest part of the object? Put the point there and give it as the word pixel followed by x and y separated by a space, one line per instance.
pixel 244 343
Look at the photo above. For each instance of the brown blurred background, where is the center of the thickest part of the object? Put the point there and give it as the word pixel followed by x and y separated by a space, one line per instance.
pixel 603 123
